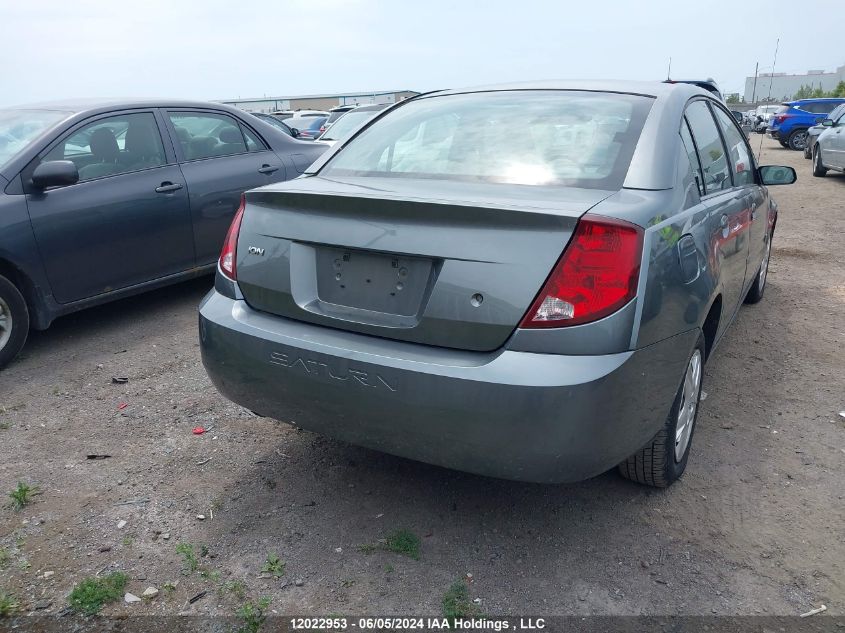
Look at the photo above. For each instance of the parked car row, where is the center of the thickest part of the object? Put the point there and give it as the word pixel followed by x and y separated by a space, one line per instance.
pixel 793 119
pixel 827 144
pixel 536 306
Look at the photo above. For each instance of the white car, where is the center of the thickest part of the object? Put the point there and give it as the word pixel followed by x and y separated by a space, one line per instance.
pixel 763 114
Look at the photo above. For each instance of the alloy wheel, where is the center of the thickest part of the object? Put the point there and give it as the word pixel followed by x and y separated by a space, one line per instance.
pixel 690 392
pixel 5 323
pixel 799 140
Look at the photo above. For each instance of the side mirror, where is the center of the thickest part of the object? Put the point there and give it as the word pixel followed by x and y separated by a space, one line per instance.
pixel 55 173
pixel 294 132
pixel 828 122
pixel 777 175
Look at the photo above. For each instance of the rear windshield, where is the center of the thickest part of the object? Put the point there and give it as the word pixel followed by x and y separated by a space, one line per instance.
pixel 18 128
pixel 529 137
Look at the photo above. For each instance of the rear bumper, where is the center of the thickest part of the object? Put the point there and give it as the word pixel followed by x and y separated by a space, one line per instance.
pixel 515 415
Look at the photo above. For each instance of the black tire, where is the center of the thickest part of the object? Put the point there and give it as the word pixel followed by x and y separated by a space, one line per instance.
pixel 783 144
pixel 12 308
pixel 819 170
pixel 656 464
pixel 797 139
pixel 755 292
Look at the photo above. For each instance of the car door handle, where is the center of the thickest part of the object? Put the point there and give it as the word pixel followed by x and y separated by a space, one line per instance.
pixel 268 169
pixel 167 187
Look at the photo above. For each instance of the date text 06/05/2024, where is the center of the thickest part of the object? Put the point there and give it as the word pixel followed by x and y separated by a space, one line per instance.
pixel 417 624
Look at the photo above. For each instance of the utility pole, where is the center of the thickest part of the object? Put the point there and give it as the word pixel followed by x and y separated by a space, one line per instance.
pixel 754 90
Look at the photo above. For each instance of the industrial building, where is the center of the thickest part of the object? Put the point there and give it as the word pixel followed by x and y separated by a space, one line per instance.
pixel 318 102
pixel 781 86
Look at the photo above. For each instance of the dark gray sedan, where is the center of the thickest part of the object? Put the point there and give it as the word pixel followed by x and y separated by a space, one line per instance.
pixel 102 200
pixel 510 305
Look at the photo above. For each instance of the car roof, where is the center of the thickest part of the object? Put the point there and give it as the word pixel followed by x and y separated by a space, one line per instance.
pixel 645 88
pixel 814 100
pixel 84 105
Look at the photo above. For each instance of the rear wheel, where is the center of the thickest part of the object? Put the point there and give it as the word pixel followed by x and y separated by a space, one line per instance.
pixel 14 321
pixel 797 140
pixel 783 144
pixel 755 292
pixel 664 458
pixel 818 167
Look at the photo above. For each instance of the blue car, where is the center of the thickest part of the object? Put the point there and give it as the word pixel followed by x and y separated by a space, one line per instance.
pixel 790 123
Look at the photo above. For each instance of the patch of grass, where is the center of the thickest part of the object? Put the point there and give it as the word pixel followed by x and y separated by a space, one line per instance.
pixel 252 615
pixel 8 605
pixel 127 541
pixel 22 496
pixel 389 569
pixel 203 551
pixel 5 557
pixel 168 587
pixel 5 426
pixel 213 576
pixel 235 587
pixel 92 594
pixel 346 584
pixel 189 558
pixel 367 548
pixel 457 604
pixel 404 542
pixel 273 566
pixel 24 564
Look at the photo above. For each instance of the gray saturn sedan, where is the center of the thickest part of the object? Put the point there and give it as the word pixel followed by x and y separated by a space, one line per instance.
pixel 535 306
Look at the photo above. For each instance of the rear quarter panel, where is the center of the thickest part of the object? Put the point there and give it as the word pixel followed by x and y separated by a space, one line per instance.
pixel 669 302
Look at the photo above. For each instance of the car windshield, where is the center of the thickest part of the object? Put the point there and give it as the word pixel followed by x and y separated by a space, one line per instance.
pixel 18 128
pixel 334 115
pixel 306 123
pixel 347 124
pixel 275 122
pixel 533 137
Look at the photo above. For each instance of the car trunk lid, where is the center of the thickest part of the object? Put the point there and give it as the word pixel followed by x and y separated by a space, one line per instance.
pixel 432 262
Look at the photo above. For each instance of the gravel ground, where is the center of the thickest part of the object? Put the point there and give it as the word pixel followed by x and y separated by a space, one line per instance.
pixel 755 527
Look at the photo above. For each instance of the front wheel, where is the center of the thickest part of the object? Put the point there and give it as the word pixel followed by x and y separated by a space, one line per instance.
pixel 797 140
pixel 664 459
pixel 14 321
pixel 819 170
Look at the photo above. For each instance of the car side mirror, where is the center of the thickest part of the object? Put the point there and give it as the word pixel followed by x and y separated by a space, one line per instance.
pixel 828 122
pixel 777 175
pixel 294 132
pixel 55 173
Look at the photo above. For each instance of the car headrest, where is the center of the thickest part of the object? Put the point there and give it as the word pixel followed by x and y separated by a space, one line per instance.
pixel 231 135
pixel 104 144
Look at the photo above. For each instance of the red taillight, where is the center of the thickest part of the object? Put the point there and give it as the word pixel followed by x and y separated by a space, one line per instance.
pixel 596 275
pixel 230 246
pixel 780 118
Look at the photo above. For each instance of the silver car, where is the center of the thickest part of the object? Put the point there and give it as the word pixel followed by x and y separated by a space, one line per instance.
pixel 535 306
pixel 829 148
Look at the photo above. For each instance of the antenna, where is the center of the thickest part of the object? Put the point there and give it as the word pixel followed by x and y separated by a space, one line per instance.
pixel 769 97
pixel 669 71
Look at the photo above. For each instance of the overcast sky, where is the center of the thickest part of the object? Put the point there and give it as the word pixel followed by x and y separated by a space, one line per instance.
pixel 220 49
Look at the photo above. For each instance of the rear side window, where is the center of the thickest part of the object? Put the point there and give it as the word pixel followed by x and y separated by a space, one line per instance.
pixel 539 137
pixel 711 152
pixel 207 135
pixel 689 146
pixel 253 143
pixel 111 146
pixel 738 152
